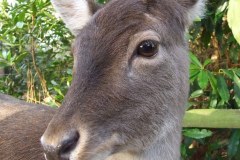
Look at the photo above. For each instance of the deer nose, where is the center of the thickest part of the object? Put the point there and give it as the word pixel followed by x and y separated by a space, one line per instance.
pixel 63 149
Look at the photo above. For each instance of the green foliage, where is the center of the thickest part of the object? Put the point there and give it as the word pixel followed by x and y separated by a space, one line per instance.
pixel 36 56
pixel 35 51
pixel 197 133
pixel 214 79
pixel 213 89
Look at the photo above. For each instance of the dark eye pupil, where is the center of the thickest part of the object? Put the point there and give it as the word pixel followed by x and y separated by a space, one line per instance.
pixel 148 48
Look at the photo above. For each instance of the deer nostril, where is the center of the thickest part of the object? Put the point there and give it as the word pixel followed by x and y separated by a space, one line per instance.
pixel 68 144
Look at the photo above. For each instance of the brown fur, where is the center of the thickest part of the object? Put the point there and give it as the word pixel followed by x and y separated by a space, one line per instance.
pixel 21 126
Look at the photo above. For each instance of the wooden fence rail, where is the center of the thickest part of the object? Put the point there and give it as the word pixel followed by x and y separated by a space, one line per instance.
pixel 212 118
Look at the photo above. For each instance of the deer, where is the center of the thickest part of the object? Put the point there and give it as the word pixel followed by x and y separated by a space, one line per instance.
pixel 130 81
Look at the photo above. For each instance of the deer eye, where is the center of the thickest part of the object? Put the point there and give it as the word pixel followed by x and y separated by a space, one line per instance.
pixel 148 48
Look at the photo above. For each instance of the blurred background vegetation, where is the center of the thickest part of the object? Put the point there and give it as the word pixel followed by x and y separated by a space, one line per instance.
pixel 36 66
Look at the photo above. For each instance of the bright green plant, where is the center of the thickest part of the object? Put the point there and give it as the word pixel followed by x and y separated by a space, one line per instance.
pixel 35 52
pixel 214 80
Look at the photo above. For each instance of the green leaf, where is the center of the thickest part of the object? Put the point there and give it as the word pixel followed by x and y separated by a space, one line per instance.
pixel 207 62
pixel 228 73
pixel 237 71
pixel 194 74
pixel 237 94
pixel 34 8
pixel 234 143
pixel 183 151
pixel 197 93
pixel 236 80
pixel 197 133
pixel 213 82
pixel 195 61
pixel 20 57
pixel 213 101
pixel 3 64
pixel 58 91
pixel 237 89
pixel 203 79
pixel 21 16
pixel 223 89
pixel 9 56
pixel 234 18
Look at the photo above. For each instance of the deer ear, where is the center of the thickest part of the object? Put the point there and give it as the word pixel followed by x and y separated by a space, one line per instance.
pixel 75 13
pixel 193 8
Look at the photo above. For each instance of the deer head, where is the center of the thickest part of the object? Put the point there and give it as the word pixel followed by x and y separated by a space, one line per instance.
pixel 130 82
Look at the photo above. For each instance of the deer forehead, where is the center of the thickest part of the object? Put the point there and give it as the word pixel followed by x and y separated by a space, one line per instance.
pixel 119 14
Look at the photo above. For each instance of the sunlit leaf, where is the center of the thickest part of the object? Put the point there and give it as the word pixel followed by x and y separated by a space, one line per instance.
pixel 213 101
pixel 234 18
pixel 197 133
pixel 196 94
pixel 58 91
